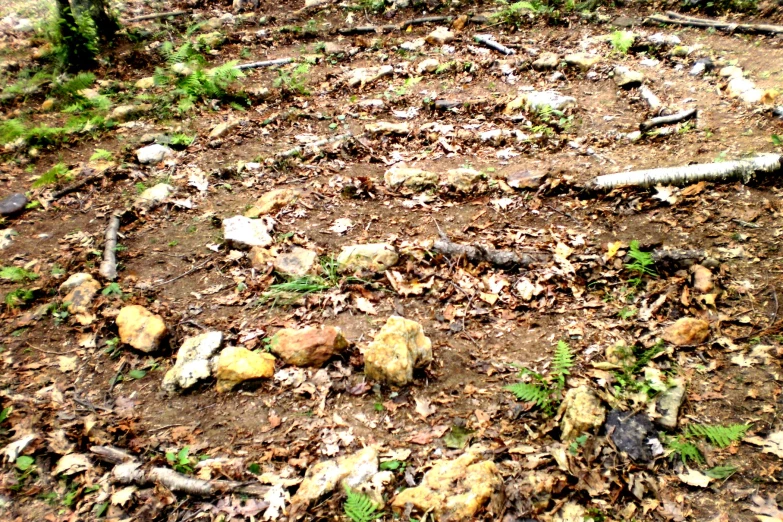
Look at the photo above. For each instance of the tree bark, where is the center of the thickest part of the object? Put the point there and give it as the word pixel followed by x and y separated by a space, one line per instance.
pixel 96 10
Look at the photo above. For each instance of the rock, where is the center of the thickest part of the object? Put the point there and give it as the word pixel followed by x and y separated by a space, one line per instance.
pixel 702 66
pixel 298 262
pixel 129 112
pixel 661 40
pixel 194 361
pixel 409 177
pixel 540 100
pixel 24 25
pixel 687 331
pixel 427 66
pixel 332 48
pixel 413 45
pixel 212 40
pixel 778 112
pixel 385 127
pixel 463 180
pixel 153 154
pixel 459 23
pixel 236 365
pixel 273 201
pixel 680 51
pixel 365 76
pixel 668 405
pixel 456 490
pixel 347 471
pixel 580 411
pixel 47 105
pixel 731 71
pixel 309 346
pixel 582 60
pixel 525 179
pixel 546 62
pixel 624 21
pixel 7 237
pixel 248 232
pixel 398 348
pixel 626 78
pixel 373 105
pixel 81 289
pixel 212 24
pixel 145 83
pixel 440 36
pixel 222 129
pixel 90 94
pixel 260 258
pixel 13 204
pixel 744 89
pixel 141 328
pixel 153 196
pixel 702 279
pixel 376 257
pixel 619 354
pixel 632 433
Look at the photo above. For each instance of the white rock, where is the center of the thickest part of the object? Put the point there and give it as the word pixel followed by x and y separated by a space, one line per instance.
pixel 429 65
pixel 194 361
pixel 248 232
pixel 153 154
pixel 153 196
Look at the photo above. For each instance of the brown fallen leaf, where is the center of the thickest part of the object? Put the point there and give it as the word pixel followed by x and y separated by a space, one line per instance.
pixel 766 510
pixel 364 305
pixel 423 407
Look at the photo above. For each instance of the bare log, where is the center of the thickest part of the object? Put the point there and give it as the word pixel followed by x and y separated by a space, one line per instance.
pixel 108 268
pixel 744 169
pixel 131 473
pixel 155 16
pixel 267 63
pixel 111 454
pixel 668 120
pixel 487 41
pixel 478 254
pixel 691 21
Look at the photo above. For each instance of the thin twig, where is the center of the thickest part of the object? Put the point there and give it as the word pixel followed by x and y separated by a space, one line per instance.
pixel 194 269
pixel 51 353
pixel 267 63
pixel 667 120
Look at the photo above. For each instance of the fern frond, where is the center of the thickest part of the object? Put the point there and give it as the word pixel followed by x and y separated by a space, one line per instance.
pixel 359 508
pixel 524 391
pixel 562 360
pixel 718 435
pixel 686 451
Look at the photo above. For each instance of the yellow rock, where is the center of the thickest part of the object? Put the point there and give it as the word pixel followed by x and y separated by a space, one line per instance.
pixel 456 490
pixel 47 104
pixel 81 290
pixel 350 470
pixel 272 201
pixel 687 331
pixel 141 328
pixel 236 364
pixel 399 347
pixel 145 83
pixel 372 256
pixel 581 410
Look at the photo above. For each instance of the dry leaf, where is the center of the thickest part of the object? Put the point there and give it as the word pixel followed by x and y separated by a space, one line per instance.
pixel 67 364
pixel 73 463
pixel 364 305
pixel 121 497
pixel 341 225
pixel 423 407
pixel 772 444
pixel 767 510
pixel 695 478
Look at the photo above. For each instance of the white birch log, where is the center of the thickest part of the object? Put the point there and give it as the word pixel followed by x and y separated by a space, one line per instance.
pixel 108 269
pixel 745 169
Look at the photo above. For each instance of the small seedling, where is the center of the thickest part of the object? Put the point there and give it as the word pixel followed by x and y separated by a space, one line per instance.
pixel 112 289
pixel 180 461
pixel 101 155
pixel 642 263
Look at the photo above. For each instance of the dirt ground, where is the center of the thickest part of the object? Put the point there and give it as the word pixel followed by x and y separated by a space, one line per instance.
pixel 74 387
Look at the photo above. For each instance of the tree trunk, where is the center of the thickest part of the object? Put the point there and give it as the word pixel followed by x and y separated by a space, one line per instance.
pixel 78 55
pixel 96 10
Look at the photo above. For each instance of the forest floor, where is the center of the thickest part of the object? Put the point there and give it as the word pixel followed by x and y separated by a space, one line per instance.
pixel 68 383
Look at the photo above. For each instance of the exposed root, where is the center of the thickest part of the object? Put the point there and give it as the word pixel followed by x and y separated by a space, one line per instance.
pixel 668 120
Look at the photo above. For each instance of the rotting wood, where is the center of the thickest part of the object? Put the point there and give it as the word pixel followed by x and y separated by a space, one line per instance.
pixel 744 169
pixel 266 63
pixel 691 21
pixel 668 120
pixel 155 16
pixel 108 269
pixel 479 253
pixel 488 41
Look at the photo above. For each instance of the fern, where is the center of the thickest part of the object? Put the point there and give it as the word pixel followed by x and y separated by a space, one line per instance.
pixel 16 274
pixel 561 362
pixel 101 155
pixel 536 393
pixel 686 451
pixel 359 508
pixel 720 436
pixel 721 472
pixel 622 41
pixel 10 130
pixel 642 263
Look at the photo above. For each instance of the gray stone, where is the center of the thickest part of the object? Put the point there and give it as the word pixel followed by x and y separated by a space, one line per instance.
pixel 525 179
pixel 129 112
pixel 7 237
pixel 703 65
pixel 778 112
pixel 632 433
pixel 429 65
pixel 582 60
pixel 669 404
pixel 153 154
pixel 546 61
pixel 12 204
pixel 624 21
pixel 627 78
pixel 248 232
pixel 194 361
pixel 153 196
pixel 463 180
pixel 298 262
pixel 412 178
pixel 376 257
pixel 440 36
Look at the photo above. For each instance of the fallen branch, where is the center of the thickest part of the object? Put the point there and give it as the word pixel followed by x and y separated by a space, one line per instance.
pixel 365 29
pixel 488 41
pixel 108 268
pixel 425 20
pixel 128 471
pixel 691 21
pixel 154 16
pixel 267 63
pixel 668 120
pixel 478 254
pixel 766 163
pixel 76 186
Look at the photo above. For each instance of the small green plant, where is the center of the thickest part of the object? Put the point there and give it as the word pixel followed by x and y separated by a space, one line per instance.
pixel 57 174
pixel 101 155
pixel 17 274
pixel 642 263
pixel 573 448
pixel 113 347
pixel 181 141
pixel 371 6
pixel 392 465
pixel 25 466
pixel 293 82
pixel 545 391
pixel 626 313
pixel 180 461
pixel 721 472
pixel 18 297
pixel 718 435
pixel 359 507
pixel 112 289
pixel 686 451
pixel 622 41
pixel 777 140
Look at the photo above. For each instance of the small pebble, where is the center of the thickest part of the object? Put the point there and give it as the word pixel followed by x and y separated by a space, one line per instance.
pixel 12 204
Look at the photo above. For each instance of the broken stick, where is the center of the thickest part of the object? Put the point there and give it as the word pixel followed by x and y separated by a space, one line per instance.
pixel 267 63
pixel 108 268
pixel 487 41
pixel 667 120
pixel 477 254
pixel 744 169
